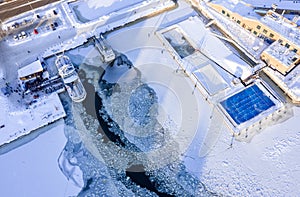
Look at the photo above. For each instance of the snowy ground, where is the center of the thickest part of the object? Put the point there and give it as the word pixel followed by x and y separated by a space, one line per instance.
pixel 30 167
pixel 19 122
pixel 265 167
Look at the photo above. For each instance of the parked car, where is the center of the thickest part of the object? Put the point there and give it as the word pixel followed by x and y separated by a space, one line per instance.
pixel 24 34
pixel 35 31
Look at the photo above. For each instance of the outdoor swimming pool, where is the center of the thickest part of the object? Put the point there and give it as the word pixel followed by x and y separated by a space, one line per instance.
pixel 247 104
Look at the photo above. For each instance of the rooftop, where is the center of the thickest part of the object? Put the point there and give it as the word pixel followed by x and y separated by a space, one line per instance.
pixel 214 48
pixel 30 69
pixel 272 19
pixel 288 5
pixel 283 26
pixel 290 83
pixel 211 79
pixel 239 7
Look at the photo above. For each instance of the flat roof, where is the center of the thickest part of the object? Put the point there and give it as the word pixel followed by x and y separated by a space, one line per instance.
pixel 283 26
pixel 273 20
pixel 241 8
pixel 288 5
pixel 30 69
pixel 209 77
pixel 282 54
pixel 201 39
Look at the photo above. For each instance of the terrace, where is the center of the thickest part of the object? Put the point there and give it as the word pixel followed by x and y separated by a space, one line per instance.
pixel 287 58
pixel 286 28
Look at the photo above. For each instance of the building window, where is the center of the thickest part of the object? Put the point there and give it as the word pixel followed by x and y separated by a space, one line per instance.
pixel 255 33
pixel 295 50
pixel 271 35
pixel 287 45
pixel 258 26
pixel 265 31
pixel 223 12
pixel 238 22
pixel 294 59
pixel 228 15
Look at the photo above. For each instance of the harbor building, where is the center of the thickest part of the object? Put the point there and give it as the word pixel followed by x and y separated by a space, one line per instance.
pixel 31 75
pixel 273 28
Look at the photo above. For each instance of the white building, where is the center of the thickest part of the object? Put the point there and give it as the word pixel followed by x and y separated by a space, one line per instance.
pixel 30 73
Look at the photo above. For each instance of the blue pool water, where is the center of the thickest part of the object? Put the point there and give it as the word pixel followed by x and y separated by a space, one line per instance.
pixel 247 104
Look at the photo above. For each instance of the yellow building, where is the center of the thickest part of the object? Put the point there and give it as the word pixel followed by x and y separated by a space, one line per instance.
pixel 272 27
pixel 281 56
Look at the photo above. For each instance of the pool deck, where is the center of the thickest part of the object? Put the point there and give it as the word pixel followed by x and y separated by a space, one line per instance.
pixel 247 104
pixel 259 118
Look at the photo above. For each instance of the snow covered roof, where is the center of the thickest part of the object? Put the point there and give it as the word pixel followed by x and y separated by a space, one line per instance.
pixel 282 53
pixel 211 79
pixel 215 49
pixel 283 26
pixel 289 84
pixel 212 47
pixel 275 21
pixel 19 123
pixel 288 5
pixel 241 8
pixel 30 69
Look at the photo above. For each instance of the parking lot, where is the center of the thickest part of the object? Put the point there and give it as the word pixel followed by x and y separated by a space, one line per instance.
pixel 12 8
pixel 33 26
